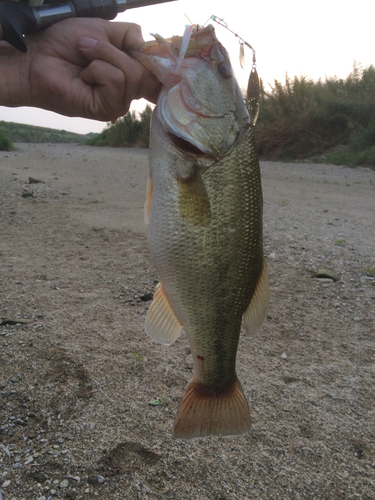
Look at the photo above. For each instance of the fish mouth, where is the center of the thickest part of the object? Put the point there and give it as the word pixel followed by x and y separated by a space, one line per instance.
pixel 193 122
pixel 185 146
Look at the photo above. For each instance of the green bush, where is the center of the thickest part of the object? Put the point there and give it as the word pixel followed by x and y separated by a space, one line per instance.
pixel 126 132
pixel 351 158
pixel 5 143
pixel 302 118
pixel 19 132
pixel 364 138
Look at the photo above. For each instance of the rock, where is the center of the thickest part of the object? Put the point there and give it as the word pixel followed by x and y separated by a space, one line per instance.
pixel 39 477
pixel 327 273
pixel 31 435
pixel 147 297
pixel 32 180
pixel 15 321
pixel 76 478
pixel 18 421
pixel 284 356
pixel 6 483
pixel 27 194
pixel 64 484
pixel 101 479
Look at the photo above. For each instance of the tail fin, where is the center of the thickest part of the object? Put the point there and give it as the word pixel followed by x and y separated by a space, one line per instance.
pixel 201 414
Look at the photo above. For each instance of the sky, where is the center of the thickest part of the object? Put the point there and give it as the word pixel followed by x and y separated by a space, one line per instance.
pixel 313 38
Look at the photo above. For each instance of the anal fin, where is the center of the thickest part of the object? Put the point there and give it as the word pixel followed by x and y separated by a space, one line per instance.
pixel 257 309
pixel 161 322
pixel 202 414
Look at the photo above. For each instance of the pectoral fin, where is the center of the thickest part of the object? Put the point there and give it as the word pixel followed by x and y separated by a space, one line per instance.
pixel 161 322
pixel 256 312
pixel 193 200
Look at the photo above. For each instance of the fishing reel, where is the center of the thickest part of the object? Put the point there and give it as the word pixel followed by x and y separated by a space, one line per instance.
pixel 18 19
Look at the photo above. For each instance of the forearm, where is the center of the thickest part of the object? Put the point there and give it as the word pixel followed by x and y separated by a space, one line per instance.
pixel 13 77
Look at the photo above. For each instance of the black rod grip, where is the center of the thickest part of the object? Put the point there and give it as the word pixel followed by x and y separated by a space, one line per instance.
pixel 17 19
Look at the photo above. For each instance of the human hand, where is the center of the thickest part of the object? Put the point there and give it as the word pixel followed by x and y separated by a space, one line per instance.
pixel 78 67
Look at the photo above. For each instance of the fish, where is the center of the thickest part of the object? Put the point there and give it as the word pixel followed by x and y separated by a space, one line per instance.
pixel 203 213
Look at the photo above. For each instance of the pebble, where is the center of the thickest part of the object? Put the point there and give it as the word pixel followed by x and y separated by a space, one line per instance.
pixel 76 478
pixel 284 356
pixel 32 180
pixel 327 273
pixel 146 297
pixel 101 479
pixel 64 484
pixel 6 483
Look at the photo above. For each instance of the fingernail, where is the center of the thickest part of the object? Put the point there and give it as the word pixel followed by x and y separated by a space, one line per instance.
pixel 86 42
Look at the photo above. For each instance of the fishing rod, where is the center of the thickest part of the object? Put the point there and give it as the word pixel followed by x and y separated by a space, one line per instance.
pixel 19 19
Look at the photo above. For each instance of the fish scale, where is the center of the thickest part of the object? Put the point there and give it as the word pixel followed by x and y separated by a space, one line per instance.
pixel 204 230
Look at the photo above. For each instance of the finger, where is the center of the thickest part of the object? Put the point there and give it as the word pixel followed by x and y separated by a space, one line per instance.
pixel 107 90
pixel 139 81
pixel 106 52
pixel 124 35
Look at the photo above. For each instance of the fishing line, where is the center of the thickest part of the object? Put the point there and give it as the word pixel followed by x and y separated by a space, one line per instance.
pixel 253 86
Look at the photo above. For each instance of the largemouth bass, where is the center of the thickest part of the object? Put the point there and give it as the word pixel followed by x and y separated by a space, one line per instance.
pixel 204 224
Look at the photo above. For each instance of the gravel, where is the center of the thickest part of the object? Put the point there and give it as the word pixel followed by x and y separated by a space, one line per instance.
pixel 76 382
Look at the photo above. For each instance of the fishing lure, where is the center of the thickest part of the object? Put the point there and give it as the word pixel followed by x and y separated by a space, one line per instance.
pixel 253 86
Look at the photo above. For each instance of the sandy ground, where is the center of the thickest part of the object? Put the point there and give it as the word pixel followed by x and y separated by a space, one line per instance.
pixel 76 382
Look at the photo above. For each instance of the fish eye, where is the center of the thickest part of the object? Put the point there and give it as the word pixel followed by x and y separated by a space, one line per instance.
pixel 224 70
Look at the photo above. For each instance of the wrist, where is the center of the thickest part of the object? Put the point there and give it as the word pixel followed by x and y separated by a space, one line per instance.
pixel 13 77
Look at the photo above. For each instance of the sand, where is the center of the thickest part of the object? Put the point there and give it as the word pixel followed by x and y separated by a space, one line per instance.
pixel 77 381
